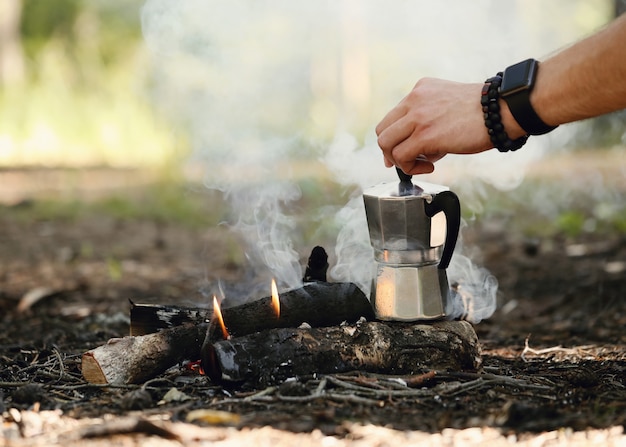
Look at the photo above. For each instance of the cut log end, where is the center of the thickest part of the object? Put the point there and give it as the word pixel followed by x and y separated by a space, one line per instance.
pixel 92 372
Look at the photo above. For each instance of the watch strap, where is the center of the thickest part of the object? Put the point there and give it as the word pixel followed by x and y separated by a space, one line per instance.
pixel 518 99
pixel 525 115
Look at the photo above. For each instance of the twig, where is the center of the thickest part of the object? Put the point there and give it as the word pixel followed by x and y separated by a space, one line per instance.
pixel 369 382
pixel 267 391
pixel 383 393
pixel 464 387
pixel 320 387
pixel 57 354
pixel 415 381
pixel 350 386
pixel 529 350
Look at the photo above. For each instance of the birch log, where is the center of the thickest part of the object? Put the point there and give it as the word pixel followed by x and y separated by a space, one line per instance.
pixel 137 359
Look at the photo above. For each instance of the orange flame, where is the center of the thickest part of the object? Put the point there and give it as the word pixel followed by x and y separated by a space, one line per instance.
pixel 217 312
pixel 275 299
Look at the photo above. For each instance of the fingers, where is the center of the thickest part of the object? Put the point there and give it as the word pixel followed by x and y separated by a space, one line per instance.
pixel 396 138
pixel 393 116
pixel 435 118
pixel 393 141
pixel 396 133
pixel 388 163
pixel 401 148
pixel 421 165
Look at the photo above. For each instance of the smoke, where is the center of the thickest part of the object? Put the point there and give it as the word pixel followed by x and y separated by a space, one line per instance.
pixel 265 227
pixel 254 85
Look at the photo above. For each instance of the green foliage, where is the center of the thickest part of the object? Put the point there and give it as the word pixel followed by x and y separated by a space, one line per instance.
pixel 107 27
pixel 165 202
pixel 571 223
pixel 84 100
pixel 547 208
pixel 114 268
pixel 45 20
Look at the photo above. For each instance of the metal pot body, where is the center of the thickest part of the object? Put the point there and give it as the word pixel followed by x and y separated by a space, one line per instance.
pixel 413 235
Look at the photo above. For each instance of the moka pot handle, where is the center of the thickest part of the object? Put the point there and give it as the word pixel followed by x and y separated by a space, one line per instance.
pixel 448 202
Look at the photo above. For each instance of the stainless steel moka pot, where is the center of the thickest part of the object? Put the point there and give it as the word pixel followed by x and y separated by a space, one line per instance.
pixel 413 229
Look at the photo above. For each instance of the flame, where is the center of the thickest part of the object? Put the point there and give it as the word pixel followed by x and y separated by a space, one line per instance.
pixel 275 299
pixel 217 312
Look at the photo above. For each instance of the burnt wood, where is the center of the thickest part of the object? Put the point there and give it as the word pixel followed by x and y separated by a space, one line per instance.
pixel 317 303
pixel 149 318
pixel 316 266
pixel 272 356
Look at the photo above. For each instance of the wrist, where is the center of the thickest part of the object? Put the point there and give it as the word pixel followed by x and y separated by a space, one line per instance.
pixel 513 129
pixel 492 114
pixel 518 84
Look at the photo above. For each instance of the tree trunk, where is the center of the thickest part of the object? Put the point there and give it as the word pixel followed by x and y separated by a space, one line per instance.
pixel 11 54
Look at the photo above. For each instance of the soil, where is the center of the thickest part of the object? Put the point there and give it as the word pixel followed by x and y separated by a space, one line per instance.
pixel 554 353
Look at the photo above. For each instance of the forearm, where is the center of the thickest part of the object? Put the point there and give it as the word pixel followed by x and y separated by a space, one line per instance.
pixel 439 117
pixel 584 80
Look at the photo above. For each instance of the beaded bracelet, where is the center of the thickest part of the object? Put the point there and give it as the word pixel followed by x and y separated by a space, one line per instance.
pixel 493 121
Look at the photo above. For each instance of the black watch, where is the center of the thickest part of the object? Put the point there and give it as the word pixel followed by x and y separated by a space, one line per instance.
pixel 517 83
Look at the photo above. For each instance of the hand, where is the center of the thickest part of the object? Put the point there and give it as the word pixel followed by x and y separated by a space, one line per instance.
pixel 436 118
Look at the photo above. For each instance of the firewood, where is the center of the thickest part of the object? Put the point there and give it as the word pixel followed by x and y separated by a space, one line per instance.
pixel 317 265
pixel 317 303
pixel 137 359
pixel 185 330
pixel 272 356
pixel 150 318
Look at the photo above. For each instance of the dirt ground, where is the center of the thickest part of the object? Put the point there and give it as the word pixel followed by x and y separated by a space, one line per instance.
pixel 554 353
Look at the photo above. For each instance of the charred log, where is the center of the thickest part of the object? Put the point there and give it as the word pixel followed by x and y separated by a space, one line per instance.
pixel 317 265
pixel 389 348
pixel 318 303
pixel 150 318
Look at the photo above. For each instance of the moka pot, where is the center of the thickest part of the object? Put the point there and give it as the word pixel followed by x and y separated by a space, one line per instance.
pixel 413 230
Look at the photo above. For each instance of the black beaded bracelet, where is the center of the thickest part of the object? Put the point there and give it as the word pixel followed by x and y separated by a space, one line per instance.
pixel 493 121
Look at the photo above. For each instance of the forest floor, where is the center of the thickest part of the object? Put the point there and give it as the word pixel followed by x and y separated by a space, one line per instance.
pixel 554 353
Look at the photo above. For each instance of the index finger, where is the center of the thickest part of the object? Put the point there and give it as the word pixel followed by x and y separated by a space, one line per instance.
pixel 394 115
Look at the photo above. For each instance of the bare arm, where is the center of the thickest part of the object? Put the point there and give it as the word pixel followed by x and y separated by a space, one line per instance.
pixel 439 117
pixel 584 80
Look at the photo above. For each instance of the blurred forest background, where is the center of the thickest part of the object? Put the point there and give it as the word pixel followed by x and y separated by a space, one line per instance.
pixel 75 79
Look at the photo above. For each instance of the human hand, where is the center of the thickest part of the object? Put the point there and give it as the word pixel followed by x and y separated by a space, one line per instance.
pixel 436 118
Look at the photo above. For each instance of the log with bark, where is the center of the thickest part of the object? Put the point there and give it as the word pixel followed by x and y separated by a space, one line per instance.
pixel 183 331
pixel 267 349
pixel 317 303
pixel 272 356
pixel 137 359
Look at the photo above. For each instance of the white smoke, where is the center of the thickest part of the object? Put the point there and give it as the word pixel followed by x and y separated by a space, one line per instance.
pixel 251 80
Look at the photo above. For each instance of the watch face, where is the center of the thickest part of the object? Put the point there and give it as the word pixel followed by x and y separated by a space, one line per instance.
pixel 518 77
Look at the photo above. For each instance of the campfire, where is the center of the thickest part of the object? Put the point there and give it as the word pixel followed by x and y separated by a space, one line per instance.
pixel 319 328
